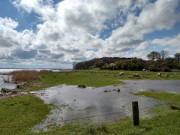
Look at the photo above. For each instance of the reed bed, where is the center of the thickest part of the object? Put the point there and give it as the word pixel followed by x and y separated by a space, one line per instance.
pixel 24 75
pixel 45 71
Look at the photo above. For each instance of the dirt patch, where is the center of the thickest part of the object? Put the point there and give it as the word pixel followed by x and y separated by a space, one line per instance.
pixel 12 94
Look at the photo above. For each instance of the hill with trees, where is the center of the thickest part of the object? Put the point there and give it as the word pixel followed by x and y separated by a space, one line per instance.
pixel 158 61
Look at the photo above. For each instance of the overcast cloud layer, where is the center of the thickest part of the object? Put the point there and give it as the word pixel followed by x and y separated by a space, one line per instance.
pixel 76 30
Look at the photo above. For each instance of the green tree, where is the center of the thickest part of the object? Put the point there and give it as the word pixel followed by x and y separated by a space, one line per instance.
pixel 154 55
pixel 99 64
pixel 124 65
pixel 177 56
pixel 164 54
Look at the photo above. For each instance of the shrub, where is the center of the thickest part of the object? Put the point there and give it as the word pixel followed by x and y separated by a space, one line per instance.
pixel 166 70
pixel 4 90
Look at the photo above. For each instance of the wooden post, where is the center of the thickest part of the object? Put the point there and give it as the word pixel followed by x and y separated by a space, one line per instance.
pixel 135 113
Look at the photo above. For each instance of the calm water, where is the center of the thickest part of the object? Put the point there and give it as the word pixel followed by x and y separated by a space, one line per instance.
pixel 94 105
pixel 172 86
pixel 90 104
pixel 6 85
pixel 11 70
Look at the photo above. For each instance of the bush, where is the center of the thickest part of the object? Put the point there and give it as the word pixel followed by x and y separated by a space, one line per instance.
pixel 4 90
pixel 166 70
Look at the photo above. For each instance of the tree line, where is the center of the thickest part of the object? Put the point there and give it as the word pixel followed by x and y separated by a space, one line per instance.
pixel 158 61
pixel 154 55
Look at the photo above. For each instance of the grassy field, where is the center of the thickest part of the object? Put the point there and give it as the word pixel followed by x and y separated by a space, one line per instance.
pixel 19 114
pixel 166 122
pixel 170 98
pixel 94 78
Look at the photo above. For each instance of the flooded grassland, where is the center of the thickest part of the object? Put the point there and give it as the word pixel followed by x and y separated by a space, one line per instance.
pixel 106 97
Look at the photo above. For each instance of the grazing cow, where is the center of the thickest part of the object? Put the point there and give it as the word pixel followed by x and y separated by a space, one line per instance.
pixel 136 75
pixel 159 74
pixel 121 73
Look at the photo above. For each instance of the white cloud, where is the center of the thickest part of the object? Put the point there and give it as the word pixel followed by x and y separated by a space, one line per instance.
pixel 11 40
pixel 158 16
pixel 142 46
pixel 72 27
pixel 43 7
pixel 8 23
pixel 154 16
pixel 173 42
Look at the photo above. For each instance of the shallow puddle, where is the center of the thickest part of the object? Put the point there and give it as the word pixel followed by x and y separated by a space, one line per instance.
pixel 94 105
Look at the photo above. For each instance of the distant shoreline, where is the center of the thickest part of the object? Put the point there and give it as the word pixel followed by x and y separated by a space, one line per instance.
pixel 8 70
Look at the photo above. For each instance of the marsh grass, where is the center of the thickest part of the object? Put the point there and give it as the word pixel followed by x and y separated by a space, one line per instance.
pixel 169 98
pixel 93 78
pixel 18 114
pixel 22 113
pixel 24 75
pixel 45 71
pixel 166 122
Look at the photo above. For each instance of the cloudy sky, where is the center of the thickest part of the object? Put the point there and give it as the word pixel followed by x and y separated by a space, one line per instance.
pixel 56 33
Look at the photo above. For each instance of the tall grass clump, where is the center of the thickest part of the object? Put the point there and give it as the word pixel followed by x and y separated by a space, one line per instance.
pixel 24 75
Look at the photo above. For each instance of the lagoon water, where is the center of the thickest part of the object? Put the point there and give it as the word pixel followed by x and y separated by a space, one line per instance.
pixel 6 85
pixel 18 69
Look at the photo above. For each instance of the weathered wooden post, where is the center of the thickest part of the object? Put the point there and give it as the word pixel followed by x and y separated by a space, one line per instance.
pixel 135 113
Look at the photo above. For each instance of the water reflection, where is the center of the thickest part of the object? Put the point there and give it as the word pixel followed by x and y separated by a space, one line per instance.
pixel 91 104
pixel 94 105
pixel 6 85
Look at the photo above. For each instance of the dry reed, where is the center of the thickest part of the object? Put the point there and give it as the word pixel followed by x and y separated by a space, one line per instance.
pixel 45 71
pixel 24 75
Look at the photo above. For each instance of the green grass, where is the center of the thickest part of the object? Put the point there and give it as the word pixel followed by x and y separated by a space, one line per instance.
pixel 19 114
pixel 94 78
pixel 170 98
pixel 166 122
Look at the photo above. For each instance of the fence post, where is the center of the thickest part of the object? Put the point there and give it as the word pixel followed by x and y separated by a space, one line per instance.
pixel 135 113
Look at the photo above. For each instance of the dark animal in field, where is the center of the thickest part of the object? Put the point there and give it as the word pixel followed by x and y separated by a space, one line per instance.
pixel 136 75
pixel 175 107
pixel 121 73
pixel 118 90
pixel 107 91
pixel 82 86
pixel 159 74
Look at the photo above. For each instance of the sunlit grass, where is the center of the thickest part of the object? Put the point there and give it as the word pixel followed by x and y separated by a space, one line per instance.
pixel 19 114
pixel 93 78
